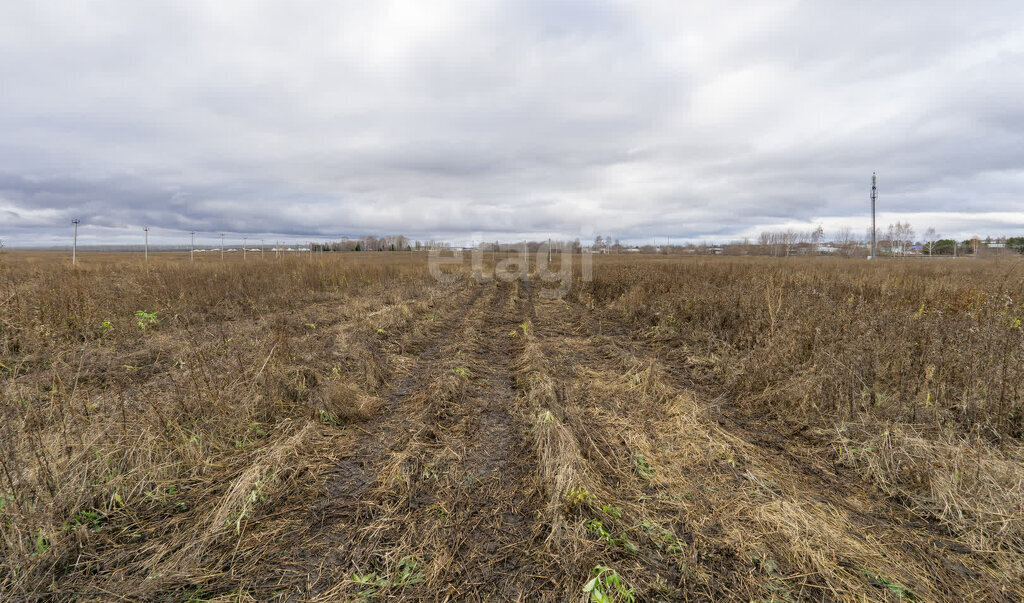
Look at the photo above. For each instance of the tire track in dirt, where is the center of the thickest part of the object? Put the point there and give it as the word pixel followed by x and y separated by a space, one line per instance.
pixel 437 476
pixel 448 494
pixel 911 547
pixel 600 516
pixel 348 483
pixel 355 473
pixel 491 512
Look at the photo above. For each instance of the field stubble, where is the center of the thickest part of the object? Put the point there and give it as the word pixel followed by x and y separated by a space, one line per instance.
pixel 348 428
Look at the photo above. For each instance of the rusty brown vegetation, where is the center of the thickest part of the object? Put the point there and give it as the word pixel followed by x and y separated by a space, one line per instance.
pixel 347 428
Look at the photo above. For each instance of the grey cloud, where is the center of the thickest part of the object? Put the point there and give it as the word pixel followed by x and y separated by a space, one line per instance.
pixel 507 118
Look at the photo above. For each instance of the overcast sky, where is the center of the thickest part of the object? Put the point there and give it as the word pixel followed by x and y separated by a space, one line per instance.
pixel 503 119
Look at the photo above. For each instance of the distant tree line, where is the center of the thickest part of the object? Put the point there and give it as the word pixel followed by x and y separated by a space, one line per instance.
pixel 896 240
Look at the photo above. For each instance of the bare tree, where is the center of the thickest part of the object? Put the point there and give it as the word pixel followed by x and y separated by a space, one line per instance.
pixel 930 236
pixel 900 237
pixel 816 236
pixel 906 236
pixel 844 237
pixel 791 237
pixel 890 239
pixel 845 240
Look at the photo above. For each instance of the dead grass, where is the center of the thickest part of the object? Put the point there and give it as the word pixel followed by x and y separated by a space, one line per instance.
pixel 346 429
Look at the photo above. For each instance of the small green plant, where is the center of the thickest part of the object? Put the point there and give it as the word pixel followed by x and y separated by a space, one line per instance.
pixel 145 319
pixel 642 467
pixel 892 586
pixel 106 327
pixel 329 418
pixel 369 583
pixel 614 512
pixel 729 458
pixel 41 542
pixel 254 498
pixel 89 518
pixel 596 527
pixel 575 498
pixel 607 586
pixel 665 540
pixel 461 372
pixel 405 574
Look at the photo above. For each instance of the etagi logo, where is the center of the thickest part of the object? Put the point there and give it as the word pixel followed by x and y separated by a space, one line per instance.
pixel 553 265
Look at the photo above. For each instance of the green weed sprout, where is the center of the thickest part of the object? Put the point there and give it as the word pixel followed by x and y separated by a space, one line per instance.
pixel 146 319
pixel 606 586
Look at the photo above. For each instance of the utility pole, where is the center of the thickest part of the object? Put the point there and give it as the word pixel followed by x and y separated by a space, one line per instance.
pixel 245 240
pixel 222 247
pixel 261 249
pixel 277 250
pixel 74 246
pixel 874 199
pixel 145 256
pixel 192 248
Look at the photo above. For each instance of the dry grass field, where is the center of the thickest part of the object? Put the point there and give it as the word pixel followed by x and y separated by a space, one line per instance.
pixel 348 428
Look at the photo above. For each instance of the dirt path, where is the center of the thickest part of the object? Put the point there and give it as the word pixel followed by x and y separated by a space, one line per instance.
pixel 318 560
pixel 430 500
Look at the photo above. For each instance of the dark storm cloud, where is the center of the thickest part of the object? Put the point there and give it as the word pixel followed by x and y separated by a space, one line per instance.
pixel 504 119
